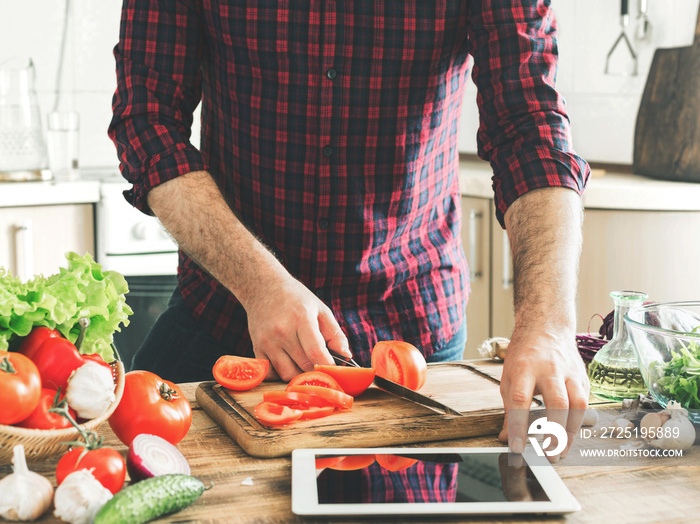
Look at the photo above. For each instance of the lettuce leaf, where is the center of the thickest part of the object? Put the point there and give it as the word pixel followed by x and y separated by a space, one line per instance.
pixel 82 289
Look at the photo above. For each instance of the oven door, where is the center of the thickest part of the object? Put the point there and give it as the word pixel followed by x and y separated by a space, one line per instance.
pixel 148 296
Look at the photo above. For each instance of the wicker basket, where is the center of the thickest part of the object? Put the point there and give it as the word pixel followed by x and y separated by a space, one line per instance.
pixel 40 444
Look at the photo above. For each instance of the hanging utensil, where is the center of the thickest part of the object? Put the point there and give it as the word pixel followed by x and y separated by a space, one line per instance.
pixel 624 22
pixel 642 31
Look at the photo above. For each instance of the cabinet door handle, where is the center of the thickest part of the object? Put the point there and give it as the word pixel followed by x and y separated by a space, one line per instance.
pixel 24 255
pixel 507 279
pixel 473 217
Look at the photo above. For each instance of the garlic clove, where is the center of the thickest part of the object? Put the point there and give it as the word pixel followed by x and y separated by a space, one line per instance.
pixel 624 425
pixel 678 431
pixel 24 495
pixel 590 418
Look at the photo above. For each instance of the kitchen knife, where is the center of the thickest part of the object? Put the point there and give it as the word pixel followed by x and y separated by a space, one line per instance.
pixel 399 390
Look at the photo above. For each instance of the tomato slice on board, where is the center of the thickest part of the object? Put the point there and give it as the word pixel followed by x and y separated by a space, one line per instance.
pixel 353 462
pixel 275 414
pixel 315 378
pixel 394 462
pixel 240 373
pixel 354 381
pixel 334 397
pixel 400 362
pixel 317 412
pixel 327 462
pixel 295 399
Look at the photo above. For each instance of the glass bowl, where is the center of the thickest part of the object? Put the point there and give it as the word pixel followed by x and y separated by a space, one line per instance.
pixel 666 341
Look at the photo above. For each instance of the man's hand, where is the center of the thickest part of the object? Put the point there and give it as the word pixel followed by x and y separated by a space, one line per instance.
pixel 544 229
pixel 292 328
pixel 287 323
pixel 544 365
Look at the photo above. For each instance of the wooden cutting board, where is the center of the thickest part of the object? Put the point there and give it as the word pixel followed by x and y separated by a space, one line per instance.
pixel 667 133
pixel 377 418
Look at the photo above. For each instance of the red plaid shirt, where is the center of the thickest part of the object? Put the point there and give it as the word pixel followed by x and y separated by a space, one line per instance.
pixel 331 130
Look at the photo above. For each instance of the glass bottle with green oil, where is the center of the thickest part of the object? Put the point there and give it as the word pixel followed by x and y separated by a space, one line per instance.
pixel 614 373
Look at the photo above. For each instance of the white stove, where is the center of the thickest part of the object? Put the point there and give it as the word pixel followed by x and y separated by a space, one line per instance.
pixel 127 240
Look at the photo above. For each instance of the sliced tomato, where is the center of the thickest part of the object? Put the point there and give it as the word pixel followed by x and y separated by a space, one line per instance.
pixel 317 412
pixel 295 400
pixel 394 462
pixel 275 414
pixel 240 373
pixel 400 362
pixel 353 462
pixel 333 396
pixel 315 378
pixel 327 462
pixel 354 381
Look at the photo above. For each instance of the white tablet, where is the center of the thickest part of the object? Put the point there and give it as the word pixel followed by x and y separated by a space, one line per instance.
pixel 425 481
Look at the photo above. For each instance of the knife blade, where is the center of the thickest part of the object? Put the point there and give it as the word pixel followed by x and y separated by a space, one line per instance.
pixel 414 396
pixel 399 390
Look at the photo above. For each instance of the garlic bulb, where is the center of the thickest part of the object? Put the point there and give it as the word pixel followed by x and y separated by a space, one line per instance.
pixel 24 495
pixel 678 432
pixel 79 497
pixel 651 424
pixel 90 390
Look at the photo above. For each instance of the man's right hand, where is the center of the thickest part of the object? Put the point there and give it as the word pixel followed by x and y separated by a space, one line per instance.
pixel 288 324
pixel 292 328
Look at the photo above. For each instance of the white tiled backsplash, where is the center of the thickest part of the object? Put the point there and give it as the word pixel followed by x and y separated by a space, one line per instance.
pixel 603 108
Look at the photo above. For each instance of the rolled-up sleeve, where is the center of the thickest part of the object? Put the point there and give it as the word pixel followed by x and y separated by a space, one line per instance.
pixel 159 85
pixel 524 130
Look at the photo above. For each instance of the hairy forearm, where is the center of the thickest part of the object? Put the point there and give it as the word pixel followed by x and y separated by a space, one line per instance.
pixel 209 232
pixel 544 230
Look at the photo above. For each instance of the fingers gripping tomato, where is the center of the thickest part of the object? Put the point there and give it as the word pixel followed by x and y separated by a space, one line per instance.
pixel 107 466
pixel 20 387
pixel 240 373
pixel 151 405
pixel 400 362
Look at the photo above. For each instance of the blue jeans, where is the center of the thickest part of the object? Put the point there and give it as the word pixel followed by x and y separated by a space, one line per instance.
pixel 179 350
pixel 454 349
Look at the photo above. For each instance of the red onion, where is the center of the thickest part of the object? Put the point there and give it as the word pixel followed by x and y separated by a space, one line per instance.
pixel 153 456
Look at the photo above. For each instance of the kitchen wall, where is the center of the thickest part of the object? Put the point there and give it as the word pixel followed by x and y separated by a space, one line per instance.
pixel 602 107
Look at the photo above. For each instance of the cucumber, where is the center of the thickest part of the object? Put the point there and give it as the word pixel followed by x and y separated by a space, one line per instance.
pixel 150 499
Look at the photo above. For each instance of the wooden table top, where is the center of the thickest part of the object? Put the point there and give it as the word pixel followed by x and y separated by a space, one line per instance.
pixel 608 494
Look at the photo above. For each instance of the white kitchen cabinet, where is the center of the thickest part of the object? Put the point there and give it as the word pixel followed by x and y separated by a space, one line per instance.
pixel 638 234
pixel 34 239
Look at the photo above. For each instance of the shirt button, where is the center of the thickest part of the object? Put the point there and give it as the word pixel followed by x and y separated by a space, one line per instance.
pixel 327 151
pixel 323 224
pixel 331 73
pixel 321 293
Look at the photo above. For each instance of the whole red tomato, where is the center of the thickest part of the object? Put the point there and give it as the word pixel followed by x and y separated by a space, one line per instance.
pixel 152 405
pixel 42 418
pixel 107 466
pixel 20 387
pixel 36 338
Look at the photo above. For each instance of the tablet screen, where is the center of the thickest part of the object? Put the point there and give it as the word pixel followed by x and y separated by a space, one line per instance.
pixel 425 478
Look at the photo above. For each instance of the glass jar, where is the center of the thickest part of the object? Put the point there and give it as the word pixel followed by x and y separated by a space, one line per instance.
pixel 22 147
pixel 614 372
